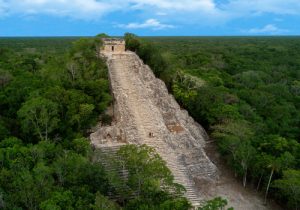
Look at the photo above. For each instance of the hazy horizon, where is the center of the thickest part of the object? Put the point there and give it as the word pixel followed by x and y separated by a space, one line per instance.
pixel 196 36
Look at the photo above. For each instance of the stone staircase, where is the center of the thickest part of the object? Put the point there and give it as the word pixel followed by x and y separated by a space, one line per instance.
pixel 138 98
pixel 107 155
pixel 179 172
pixel 145 120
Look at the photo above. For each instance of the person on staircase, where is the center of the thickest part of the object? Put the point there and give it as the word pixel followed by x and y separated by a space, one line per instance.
pixel 151 135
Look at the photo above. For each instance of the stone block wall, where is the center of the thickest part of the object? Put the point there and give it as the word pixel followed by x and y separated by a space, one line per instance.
pixel 111 45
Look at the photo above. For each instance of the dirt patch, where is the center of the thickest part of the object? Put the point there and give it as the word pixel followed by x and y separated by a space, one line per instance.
pixel 175 128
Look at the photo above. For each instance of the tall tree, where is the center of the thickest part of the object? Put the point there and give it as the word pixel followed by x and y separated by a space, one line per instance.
pixel 39 116
pixel 276 164
pixel 289 185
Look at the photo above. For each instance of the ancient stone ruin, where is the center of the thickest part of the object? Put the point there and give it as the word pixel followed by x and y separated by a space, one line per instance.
pixel 113 45
pixel 145 113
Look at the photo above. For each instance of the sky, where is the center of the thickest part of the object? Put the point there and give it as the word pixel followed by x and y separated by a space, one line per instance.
pixel 149 17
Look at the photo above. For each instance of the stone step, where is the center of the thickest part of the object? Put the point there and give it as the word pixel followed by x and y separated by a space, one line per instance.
pixel 130 79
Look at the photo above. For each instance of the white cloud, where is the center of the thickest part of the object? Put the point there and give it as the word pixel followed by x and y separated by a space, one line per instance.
pixel 161 13
pixel 267 29
pixel 93 9
pixel 82 9
pixel 150 23
pixel 178 5
pixel 246 7
pixel 179 12
pixel 3 8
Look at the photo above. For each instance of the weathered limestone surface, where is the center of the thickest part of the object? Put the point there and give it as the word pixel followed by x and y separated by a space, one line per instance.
pixel 142 105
